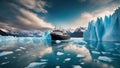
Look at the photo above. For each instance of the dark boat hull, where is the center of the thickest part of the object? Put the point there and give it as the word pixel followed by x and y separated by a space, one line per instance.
pixel 59 37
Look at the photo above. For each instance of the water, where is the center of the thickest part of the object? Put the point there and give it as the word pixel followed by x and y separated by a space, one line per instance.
pixel 33 52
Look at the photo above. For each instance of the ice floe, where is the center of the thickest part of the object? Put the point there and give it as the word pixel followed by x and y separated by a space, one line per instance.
pixel 18 50
pixel 58 41
pixel 60 53
pixel 67 59
pixel 80 56
pixel 6 57
pixel 77 66
pixel 57 66
pixel 95 52
pixel 57 58
pixel 104 58
pixel 35 64
pixel 3 63
pixel 13 57
pixel 43 60
pixel 22 48
pixel 105 52
pixel 6 53
pixel 117 43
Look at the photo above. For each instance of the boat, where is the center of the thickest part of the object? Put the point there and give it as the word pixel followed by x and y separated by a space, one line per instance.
pixel 59 35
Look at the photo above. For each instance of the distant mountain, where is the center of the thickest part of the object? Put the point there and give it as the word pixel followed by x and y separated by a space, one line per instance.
pixel 20 34
pixel 77 32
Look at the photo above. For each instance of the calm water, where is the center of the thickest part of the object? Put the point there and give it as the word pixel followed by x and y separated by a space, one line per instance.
pixel 73 53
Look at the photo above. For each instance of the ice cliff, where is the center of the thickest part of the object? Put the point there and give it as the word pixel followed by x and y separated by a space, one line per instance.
pixel 107 29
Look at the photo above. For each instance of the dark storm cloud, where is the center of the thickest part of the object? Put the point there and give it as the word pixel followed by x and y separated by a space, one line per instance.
pixel 22 15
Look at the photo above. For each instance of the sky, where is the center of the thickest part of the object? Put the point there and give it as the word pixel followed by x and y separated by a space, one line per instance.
pixel 42 15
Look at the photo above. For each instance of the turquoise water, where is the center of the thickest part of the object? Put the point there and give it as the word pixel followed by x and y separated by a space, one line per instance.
pixel 74 53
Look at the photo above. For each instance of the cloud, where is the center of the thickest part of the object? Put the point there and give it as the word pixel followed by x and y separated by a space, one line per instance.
pixel 100 2
pixel 37 5
pixel 86 17
pixel 19 16
pixel 82 1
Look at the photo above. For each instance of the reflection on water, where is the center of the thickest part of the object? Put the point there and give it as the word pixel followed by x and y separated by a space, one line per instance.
pixel 74 53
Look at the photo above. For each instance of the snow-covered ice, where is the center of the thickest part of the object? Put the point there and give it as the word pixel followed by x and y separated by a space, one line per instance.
pixel 35 64
pixel 58 41
pixel 117 43
pixel 95 52
pixel 105 58
pixel 77 66
pixel 106 29
pixel 57 66
pixel 23 48
pixel 80 56
pixel 67 59
pixel 18 50
pixel 43 60
pixel 6 53
pixel 3 63
pixel 60 53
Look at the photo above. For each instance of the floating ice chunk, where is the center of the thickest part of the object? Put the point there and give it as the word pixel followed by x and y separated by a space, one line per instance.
pixel 80 56
pixel 18 50
pixel 77 66
pixel 57 58
pixel 117 43
pixel 22 48
pixel 67 59
pixel 43 60
pixel 6 53
pixel 82 63
pixel 4 63
pixel 58 41
pixel 68 54
pixel 35 64
pixel 95 52
pixel 13 57
pixel 60 53
pixel 104 58
pixel 106 53
pixel 6 57
pixel 57 66
pixel 116 54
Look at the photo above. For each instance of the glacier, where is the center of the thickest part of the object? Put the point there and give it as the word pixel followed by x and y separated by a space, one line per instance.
pixel 107 29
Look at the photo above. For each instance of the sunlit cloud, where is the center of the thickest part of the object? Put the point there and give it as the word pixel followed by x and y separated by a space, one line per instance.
pixel 21 16
pixel 86 17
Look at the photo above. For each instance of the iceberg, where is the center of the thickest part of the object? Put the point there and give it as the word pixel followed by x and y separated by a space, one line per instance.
pixel 107 29
pixel 47 35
